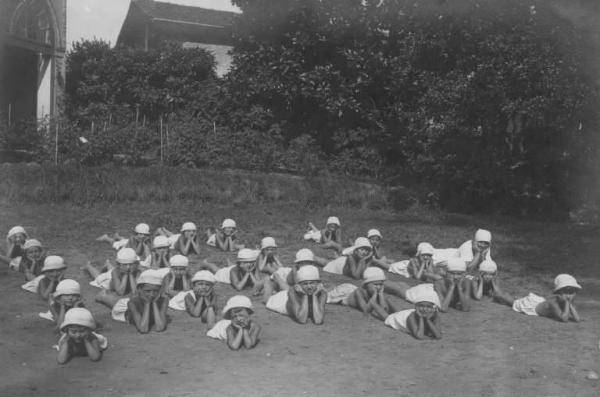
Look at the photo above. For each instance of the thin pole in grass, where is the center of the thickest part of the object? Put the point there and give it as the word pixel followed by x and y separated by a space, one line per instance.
pixel 56 144
pixel 161 140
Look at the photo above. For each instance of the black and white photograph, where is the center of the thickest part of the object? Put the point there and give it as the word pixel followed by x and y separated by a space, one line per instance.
pixel 329 198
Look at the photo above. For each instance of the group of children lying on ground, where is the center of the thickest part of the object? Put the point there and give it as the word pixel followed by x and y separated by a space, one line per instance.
pixel 151 275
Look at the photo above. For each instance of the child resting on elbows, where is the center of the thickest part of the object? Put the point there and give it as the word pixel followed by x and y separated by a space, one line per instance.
pixel 237 327
pixel 422 321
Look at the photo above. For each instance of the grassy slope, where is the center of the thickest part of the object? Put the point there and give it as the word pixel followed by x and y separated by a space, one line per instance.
pixel 489 351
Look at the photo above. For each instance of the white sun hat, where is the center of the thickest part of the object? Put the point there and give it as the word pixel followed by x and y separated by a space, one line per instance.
pixel 142 228
pixel 53 262
pixel 457 265
pixel 237 301
pixel 150 276
pixel 179 261
pixel 78 316
pixel 362 242
pixel 267 242
pixel 126 256
pixel 204 275
pixel 565 280
pixel 424 293
pixel 483 235
pixel 308 273
pixel 16 230
pixel 31 243
pixel 333 220
pixel 372 274
pixel 488 266
pixel 304 255
pixel 188 226
pixel 373 233
pixel 228 223
pixel 67 287
pixel 247 255
pixel 424 249
pixel 160 242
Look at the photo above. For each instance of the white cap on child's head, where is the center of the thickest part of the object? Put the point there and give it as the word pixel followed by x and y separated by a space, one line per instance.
pixel 188 226
pixel 483 235
pixel 16 230
pixel 142 228
pixel 425 293
pixel 126 256
pixel 488 266
pixel 247 255
pixel 237 301
pixel 362 242
pixel 179 261
pixel 228 223
pixel 308 273
pixel 374 233
pixel 150 276
pixel 304 255
pixel 456 265
pixel 372 274
pixel 333 220
pixel 53 262
pixel 565 280
pixel 424 249
pixel 267 242
pixel 31 243
pixel 160 242
pixel 67 287
pixel 204 275
pixel 78 316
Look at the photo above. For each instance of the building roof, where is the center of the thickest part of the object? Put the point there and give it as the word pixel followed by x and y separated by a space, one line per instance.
pixel 170 12
pixel 178 22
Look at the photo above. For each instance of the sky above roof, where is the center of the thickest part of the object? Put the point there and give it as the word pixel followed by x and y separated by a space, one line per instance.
pixel 102 19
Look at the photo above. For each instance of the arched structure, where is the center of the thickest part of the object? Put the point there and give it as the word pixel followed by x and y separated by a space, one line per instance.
pixel 32 51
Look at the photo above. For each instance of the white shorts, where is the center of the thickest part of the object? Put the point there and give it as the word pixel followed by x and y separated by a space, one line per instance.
pixel 117 245
pixel 313 235
pixel 400 268
pixel 32 286
pixel 223 275
pixel 341 293
pixel 178 301
pixel 398 320
pixel 103 280
pixel 15 263
pixel 212 240
pixel 336 266
pixel 528 304
pixel 119 309
pixel 219 331
pixel 278 302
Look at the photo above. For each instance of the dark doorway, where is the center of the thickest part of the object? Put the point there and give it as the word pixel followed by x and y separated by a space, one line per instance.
pixel 20 83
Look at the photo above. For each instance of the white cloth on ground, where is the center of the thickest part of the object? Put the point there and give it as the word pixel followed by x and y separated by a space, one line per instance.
pixel 282 272
pixel 400 268
pixel 219 331
pixel 172 239
pixel 527 305
pixel 278 302
pixel 102 280
pixel 15 263
pixel 313 235
pixel 341 293
pixel 223 275
pixel 32 286
pixel 212 240
pixel 178 301
pixel 119 309
pixel 398 320
pixel 336 266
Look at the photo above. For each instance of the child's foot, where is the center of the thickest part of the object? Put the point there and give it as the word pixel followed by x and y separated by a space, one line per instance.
pixel 104 237
pixel 101 295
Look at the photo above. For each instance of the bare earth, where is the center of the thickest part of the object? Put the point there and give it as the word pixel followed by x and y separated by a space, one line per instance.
pixel 490 351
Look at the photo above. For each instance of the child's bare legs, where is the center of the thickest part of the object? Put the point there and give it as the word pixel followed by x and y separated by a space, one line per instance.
pixel 280 282
pixel 93 271
pixel 312 227
pixel 319 261
pixel 107 298
pixel 503 298
pixel 268 287
pixel 212 267
pixel 397 288
pixel 334 246
pixel 105 237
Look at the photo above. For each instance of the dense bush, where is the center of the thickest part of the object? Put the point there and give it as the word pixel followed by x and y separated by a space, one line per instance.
pixel 478 102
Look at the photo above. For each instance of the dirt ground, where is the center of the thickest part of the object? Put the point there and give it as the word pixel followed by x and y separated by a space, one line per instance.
pixel 490 351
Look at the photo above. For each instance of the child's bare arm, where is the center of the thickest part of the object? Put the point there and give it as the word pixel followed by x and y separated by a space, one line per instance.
pixel 234 336
pixel 63 351
pixel 92 347
pixel 574 315
pixel 298 304
pixel 238 282
pixel 159 307
pixel 120 281
pixel 192 307
pixel 464 292
pixel 221 241
pixel 140 320
pixel 318 306
pixel 357 300
pixel 250 335
pixel 46 291
pixel 433 324
pixel 415 326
